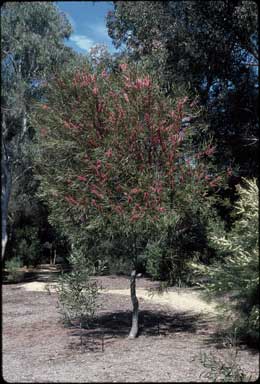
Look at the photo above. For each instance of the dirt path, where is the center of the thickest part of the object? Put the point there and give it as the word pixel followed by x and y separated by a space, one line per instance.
pixel 179 301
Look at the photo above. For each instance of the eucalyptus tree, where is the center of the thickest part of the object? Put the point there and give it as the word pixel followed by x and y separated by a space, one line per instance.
pixel 32 49
pixel 212 48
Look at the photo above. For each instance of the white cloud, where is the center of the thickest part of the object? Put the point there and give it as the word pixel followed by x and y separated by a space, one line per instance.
pixel 100 30
pixel 82 41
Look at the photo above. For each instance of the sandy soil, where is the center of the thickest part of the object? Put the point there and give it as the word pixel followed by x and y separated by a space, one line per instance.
pixel 178 300
pixel 173 333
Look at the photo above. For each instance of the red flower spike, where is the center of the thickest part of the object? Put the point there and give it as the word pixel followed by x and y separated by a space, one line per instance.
pixel 134 217
pixel 161 209
pixel 71 200
pixel 123 67
pixel 134 191
pixel 108 153
pixel 82 178
pixel 95 91
pixel 146 196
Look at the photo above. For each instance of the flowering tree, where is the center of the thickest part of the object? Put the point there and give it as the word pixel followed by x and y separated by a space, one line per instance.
pixel 115 153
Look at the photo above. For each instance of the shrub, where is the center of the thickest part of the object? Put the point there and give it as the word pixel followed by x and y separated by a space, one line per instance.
pixel 28 247
pixel 12 266
pixel 77 292
pixel 237 271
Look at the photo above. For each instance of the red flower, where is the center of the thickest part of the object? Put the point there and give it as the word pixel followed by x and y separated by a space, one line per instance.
pixel 98 166
pixel 229 171
pixel 82 178
pixel 209 150
pixel 43 132
pixel 118 208
pixel 142 83
pixel 215 182
pixel 123 67
pixel 134 191
pixel 95 91
pixel 134 217
pixel 161 209
pixel 71 200
pixel 96 193
pixel 146 196
pixel 108 153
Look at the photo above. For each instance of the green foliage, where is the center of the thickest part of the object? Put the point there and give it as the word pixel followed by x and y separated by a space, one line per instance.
pixel 12 267
pixel 32 49
pixel 237 271
pixel 28 245
pixel 190 43
pixel 95 120
pixel 77 292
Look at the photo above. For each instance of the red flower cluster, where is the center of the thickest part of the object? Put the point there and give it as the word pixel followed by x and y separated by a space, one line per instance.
pixel 82 178
pixel 83 79
pixel 71 200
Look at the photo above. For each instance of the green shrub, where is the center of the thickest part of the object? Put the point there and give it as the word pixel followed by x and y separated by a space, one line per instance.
pixel 28 247
pixel 237 270
pixel 12 267
pixel 77 292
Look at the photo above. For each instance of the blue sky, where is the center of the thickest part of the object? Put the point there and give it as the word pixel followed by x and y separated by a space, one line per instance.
pixel 88 22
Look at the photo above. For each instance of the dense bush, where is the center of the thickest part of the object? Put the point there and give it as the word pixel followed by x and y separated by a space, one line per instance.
pixel 237 271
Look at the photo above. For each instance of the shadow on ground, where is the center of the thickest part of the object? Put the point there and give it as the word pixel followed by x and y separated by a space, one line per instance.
pixel 116 325
pixel 26 277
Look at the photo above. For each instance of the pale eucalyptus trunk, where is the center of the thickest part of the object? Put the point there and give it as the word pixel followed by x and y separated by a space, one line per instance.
pixel 6 177
pixel 135 314
pixel 6 180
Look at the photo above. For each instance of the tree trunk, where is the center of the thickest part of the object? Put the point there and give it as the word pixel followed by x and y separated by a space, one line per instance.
pixel 134 330
pixel 6 179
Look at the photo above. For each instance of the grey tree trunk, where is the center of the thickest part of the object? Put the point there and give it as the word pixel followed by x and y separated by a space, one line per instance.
pixel 135 327
pixel 6 179
pixel 7 160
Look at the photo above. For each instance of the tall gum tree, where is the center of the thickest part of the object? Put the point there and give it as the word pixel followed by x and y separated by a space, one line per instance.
pixel 32 46
pixel 114 154
pixel 211 47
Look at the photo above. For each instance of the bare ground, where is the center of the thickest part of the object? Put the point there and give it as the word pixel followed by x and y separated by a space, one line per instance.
pixel 175 328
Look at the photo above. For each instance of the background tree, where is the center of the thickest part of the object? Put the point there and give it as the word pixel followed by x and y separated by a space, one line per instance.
pixel 116 156
pixel 211 47
pixel 32 47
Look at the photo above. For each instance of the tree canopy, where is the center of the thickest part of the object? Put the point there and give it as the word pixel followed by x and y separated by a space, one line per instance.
pixel 32 48
pixel 210 47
